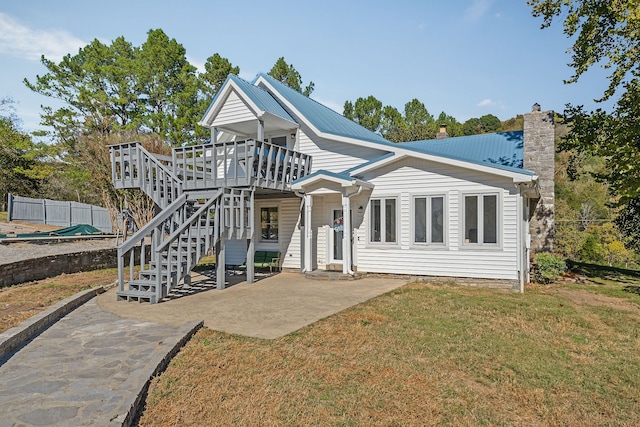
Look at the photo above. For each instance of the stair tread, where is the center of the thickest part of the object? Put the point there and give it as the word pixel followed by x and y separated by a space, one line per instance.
pixel 135 293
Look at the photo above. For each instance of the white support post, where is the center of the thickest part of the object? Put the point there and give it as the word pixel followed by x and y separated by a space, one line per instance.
pixel 308 233
pixel 251 245
pixel 346 235
pixel 214 135
pixel 220 272
pixel 260 137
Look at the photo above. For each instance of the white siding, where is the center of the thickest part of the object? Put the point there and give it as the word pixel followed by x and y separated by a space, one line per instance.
pixel 234 110
pixel 288 243
pixel 408 178
pixel 335 156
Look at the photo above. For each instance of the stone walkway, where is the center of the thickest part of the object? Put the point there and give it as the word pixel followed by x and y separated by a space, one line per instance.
pixel 93 366
pixel 88 369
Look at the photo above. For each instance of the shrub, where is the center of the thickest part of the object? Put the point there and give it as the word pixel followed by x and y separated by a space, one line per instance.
pixel 548 267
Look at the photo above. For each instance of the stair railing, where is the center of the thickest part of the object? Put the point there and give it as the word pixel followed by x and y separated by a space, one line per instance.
pixel 132 166
pixel 200 231
pixel 151 234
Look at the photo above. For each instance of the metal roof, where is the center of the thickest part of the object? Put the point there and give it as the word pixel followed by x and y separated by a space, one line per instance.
pixel 323 118
pixel 503 150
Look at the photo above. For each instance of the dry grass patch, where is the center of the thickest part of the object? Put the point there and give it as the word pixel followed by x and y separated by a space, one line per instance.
pixel 19 302
pixel 421 355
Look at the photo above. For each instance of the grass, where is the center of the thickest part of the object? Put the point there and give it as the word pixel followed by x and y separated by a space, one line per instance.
pixel 565 354
pixel 4 216
pixel 612 281
pixel 19 302
pixel 421 355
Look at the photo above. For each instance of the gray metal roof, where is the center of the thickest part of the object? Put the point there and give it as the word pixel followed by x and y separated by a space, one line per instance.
pixel 323 118
pixel 503 150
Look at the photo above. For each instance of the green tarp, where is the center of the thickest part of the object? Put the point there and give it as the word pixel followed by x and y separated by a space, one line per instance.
pixel 75 230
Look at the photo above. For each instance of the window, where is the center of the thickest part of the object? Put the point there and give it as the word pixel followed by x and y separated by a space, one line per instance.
pixel 383 220
pixel 481 219
pixel 428 219
pixel 279 140
pixel 269 224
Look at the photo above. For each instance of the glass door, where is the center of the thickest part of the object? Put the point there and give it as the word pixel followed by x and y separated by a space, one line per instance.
pixel 337 235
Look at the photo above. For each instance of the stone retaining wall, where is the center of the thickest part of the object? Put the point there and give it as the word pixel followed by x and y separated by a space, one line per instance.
pixel 53 265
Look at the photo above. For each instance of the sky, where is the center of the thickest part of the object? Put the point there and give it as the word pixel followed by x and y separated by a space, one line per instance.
pixel 467 58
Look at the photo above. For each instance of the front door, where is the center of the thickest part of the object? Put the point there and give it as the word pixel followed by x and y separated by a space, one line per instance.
pixel 337 234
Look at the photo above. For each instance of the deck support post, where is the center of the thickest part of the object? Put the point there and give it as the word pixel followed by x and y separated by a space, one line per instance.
pixel 220 272
pixel 260 136
pixel 251 244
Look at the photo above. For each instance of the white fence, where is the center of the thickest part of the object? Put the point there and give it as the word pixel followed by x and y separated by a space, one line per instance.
pixel 53 212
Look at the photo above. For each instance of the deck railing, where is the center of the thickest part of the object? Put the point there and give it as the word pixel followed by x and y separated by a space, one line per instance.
pixel 239 164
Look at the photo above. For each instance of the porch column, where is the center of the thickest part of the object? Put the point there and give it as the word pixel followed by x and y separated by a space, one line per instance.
pixel 346 235
pixel 214 135
pixel 308 233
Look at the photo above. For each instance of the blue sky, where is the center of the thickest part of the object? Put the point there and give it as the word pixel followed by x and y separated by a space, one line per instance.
pixel 465 57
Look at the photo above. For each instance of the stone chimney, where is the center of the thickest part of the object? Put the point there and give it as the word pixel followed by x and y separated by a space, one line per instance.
pixel 539 153
pixel 443 131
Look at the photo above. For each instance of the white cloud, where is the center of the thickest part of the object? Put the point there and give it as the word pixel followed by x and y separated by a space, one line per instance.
pixel 196 63
pixel 476 10
pixel 486 103
pixel 28 43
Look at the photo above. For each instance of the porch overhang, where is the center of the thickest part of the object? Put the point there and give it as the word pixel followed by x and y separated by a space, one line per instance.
pixel 333 178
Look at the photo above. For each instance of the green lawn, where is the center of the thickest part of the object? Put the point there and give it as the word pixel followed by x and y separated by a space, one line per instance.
pixel 424 355
pixel 4 216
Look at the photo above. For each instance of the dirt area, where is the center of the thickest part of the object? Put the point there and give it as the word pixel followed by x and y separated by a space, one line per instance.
pixel 583 297
pixel 15 227
pixel 19 302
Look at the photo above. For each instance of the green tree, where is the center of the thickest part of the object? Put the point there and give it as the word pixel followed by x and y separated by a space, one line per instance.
pixel 393 127
pixel 628 221
pixel 367 112
pixel 288 75
pixel 120 88
pixel 420 123
pixel 216 71
pixel 607 33
pixel 454 127
pixel 472 126
pixel 485 124
pixel 22 162
pixel 489 123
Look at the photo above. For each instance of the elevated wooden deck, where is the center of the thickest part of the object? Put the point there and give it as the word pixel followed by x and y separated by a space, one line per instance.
pixel 244 164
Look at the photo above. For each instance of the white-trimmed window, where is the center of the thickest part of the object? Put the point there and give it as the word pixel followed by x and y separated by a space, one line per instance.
pixel 429 219
pixel 269 224
pixel 480 219
pixel 383 214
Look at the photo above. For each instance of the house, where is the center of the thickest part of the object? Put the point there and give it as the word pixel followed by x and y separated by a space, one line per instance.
pixel 284 173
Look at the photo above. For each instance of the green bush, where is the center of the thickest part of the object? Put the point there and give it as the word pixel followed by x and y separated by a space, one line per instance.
pixel 548 267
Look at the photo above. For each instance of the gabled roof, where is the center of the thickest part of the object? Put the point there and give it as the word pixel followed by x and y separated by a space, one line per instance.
pixel 502 149
pixel 342 178
pixel 500 153
pixel 324 119
pixel 262 101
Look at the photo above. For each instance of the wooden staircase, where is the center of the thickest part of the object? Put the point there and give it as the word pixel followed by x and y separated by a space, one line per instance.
pixel 205 196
